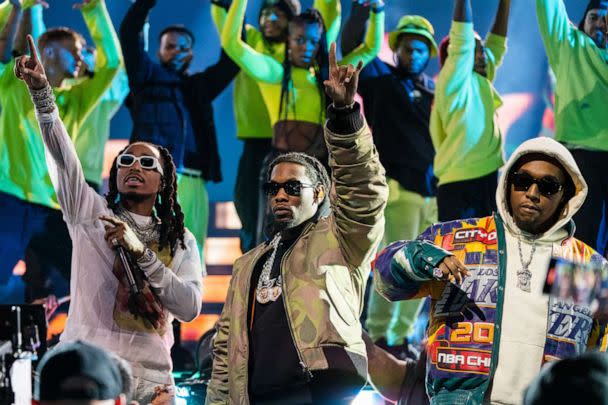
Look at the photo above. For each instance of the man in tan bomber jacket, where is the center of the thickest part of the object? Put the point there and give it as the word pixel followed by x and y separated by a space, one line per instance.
pixel 290 331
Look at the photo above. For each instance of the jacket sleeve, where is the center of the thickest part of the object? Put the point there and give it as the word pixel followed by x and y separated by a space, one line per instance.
pixel 331 11
pixel 137 61
pixel 179 290
pixel 257 65
pixel 217 391
pixel 5 11
pixel 211 82
pixel 556 30
pixel 496 48
pixel 458 68
pixel 404 269
pixel 359 191
pixel 109 58
pixel 353 32
pixel 78 201
pixel 368 50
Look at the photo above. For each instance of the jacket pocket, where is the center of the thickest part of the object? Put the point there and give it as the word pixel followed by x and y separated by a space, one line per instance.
pixel 340 292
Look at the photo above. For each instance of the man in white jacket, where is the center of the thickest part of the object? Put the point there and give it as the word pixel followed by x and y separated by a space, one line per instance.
pixel 139 225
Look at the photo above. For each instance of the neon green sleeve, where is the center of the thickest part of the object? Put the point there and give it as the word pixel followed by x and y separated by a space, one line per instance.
pixel 257 65
pixel 109 58
pixel 372 44
pixel 496 48
pixel 555 28
pixel 331 11
pixel 5 11
pixel 458 67
pixel 218 15
pixel 38 26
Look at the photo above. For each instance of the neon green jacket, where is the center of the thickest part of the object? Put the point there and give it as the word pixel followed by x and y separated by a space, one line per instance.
pixel 248 100
pixel 581 69
pixel 23 170
pixel 464 131
pixel 306 103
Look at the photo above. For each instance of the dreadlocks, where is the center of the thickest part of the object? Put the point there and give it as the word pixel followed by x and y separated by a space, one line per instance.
pixel 310 16
pixel 313 167
pixel 167 208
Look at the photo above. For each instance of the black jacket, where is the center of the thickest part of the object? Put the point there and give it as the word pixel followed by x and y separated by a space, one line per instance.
pixel 171 109
pixel 397 107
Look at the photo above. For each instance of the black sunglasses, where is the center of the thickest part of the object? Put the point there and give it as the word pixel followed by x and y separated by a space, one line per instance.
pixel 291 187
pixel 547 185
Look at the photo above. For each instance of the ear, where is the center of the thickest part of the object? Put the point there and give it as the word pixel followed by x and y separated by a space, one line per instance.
pixel 320 194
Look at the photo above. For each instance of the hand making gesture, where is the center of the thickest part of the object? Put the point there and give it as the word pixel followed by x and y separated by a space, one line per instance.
pixel 30 69
pixel 341 86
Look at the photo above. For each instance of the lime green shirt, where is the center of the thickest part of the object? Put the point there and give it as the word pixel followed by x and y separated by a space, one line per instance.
pixel 581 70
pixel 23 169
pixel 463 123
pixel 305 100
pixel 247 98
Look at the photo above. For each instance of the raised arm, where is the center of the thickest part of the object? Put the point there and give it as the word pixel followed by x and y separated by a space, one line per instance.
pixel 353 32
pixel 331 11
pixel 32 23
pixel 9 30
pixel 219 12
pixel 368 50
pixel 360 192
pixel 463 11
pixel 132 41
pixel 555 28
pixel 78 201
pixel 501 22
pixel 257 65
pixel 109 56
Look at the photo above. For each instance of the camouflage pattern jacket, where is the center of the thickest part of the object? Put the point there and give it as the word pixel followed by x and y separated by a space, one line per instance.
pixel 324 273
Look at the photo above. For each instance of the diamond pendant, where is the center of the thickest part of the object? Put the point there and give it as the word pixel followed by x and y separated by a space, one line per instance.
pixel 523 279
pixel 275 293
pixel 262 295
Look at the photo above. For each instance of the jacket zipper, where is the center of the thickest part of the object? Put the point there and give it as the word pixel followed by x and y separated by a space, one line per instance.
pixel 305 368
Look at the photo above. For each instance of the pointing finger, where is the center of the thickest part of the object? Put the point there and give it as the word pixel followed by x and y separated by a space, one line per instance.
pixel 33 51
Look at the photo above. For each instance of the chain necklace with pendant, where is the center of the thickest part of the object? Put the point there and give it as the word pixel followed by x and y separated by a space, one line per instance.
pixel 269 290
pixel 145 233
pixel 524 275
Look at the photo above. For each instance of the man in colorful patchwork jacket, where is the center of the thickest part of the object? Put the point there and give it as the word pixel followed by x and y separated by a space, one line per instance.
pixel 290 330
pixel 491 328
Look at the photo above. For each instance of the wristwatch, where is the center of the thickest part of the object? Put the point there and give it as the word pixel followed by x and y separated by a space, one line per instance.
pixel 147 257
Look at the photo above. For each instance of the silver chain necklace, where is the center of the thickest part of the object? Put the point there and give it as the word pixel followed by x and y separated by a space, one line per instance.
pixel 524 275
pixel 145 233
pixel 267 289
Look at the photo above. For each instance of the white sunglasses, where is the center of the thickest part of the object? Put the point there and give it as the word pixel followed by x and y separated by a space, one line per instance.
pixel 146 162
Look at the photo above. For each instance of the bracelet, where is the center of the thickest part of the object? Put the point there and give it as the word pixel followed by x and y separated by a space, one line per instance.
pixel 344 108
pixel 43 99
pixel 148 257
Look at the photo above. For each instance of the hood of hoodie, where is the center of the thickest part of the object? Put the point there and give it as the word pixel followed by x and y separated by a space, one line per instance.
pixel 554 149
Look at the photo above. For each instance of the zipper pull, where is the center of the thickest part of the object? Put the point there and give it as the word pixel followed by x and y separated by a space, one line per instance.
pixel 306 371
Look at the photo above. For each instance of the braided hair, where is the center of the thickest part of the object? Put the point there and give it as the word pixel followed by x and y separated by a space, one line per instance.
pixel 166 206
pixel 321 66
pixel 314 169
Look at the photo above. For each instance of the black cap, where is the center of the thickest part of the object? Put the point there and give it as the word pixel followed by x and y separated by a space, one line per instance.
pixel 78 371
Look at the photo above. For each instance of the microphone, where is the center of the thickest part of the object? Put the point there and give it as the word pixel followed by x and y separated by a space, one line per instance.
pixel 122 253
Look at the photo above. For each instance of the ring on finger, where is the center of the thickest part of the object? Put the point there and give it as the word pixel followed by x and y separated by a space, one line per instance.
pixel 114 242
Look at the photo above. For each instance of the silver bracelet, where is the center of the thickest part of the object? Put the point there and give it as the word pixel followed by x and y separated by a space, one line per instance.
pixel 148 257
pixel 343 108
pixel 43 99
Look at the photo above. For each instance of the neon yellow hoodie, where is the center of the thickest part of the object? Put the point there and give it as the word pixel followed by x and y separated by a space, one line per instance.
pixel 581 69
pixel 248 100
pixel 23 169
pixel 465 134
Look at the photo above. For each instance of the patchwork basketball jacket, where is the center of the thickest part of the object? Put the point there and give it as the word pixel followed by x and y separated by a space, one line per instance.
pixel 464 333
